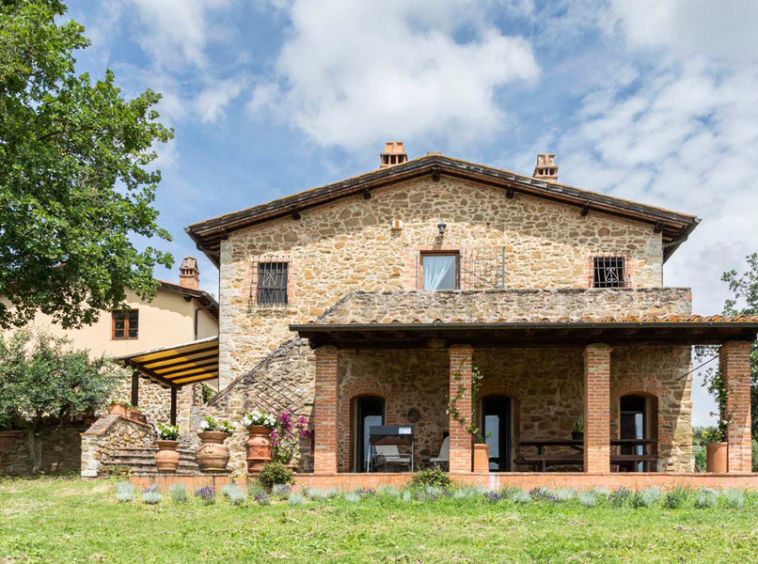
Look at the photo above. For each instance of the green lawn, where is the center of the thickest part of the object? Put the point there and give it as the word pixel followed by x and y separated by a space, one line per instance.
pixel 61 520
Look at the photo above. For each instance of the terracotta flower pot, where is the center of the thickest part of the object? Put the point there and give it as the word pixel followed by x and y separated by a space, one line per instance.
pixel 259 448
pixel 481 458
pixel 136 415
pixel 167 459
pixel 118 409
pixel 715 458
pixel 212 455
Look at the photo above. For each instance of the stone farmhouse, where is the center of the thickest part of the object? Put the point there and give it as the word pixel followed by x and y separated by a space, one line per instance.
pixel 434 293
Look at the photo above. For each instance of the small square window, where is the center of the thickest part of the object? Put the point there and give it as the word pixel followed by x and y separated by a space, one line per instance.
pixel 440 271
pixel 272 283
pixel 125 325
pixel 609 272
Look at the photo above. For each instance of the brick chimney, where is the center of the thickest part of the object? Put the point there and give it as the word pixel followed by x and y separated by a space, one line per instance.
pixel 393 154
pixel 546 168
pixel 189 275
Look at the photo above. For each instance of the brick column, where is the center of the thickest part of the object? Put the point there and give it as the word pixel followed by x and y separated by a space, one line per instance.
pixel 325 412
pixel 734 358
pixel 460 382
pixel 597 408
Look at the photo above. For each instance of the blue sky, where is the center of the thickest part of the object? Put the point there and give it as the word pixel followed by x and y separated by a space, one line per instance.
pixel 651 100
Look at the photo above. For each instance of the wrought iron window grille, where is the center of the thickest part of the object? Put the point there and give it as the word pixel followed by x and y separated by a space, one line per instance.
pixel 610 271
pixel 269 287
pixel 478 269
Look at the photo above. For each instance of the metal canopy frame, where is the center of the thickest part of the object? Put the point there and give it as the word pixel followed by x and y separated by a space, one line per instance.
pixel 174 367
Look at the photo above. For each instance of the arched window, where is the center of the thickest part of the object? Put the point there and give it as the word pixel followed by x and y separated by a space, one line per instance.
pixel 496 426
pixel 638 415
pixel 369 411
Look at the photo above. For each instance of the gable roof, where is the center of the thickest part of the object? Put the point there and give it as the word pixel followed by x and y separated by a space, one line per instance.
pixel 675 227
pixel 206 300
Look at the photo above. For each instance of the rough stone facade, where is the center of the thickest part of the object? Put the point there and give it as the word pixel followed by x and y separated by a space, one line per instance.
pixel 107 434
pixel 347 264
pixel 155 402
pixel 351 245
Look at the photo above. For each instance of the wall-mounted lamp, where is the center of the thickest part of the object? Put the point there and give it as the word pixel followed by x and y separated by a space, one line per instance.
pixel 441 227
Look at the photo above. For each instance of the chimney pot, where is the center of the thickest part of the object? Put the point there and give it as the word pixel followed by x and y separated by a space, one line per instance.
pixel 189 275
pixel 546 168
pixel 394 154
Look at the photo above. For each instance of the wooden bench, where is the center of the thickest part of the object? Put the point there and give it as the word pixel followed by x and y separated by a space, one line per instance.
pixel 542 461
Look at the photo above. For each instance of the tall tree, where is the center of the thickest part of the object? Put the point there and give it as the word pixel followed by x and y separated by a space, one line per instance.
pixel 44 383
pixel 75 176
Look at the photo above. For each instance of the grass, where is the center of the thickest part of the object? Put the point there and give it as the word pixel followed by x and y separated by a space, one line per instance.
pixel 69 520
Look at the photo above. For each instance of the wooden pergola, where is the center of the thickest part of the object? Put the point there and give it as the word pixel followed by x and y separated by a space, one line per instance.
pixel 174 367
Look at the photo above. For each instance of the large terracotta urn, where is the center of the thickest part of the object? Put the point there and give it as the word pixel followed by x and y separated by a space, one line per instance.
pixel 213 454
pixel 167 458
pixel 481 458
pixel 715 457
pixel 259 448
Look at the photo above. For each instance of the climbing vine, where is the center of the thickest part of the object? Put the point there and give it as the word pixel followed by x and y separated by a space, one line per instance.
pixel 476 382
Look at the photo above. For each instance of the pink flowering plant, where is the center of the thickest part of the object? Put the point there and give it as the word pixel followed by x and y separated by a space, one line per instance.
pixel 286 436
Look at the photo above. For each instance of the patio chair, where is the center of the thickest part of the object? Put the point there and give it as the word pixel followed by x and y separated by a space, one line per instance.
pixel 442 460
pixel 389 459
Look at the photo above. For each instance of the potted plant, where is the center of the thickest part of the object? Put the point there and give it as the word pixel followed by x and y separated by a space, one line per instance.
pixel 119 408
pixel 213 454
pixel 716 450
pixel 577 430
pixel 286 437
pixel 167 458
pixel 134 413
pixel 259 446
pixel 481 454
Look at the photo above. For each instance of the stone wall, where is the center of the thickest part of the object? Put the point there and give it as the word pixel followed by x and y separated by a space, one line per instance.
pixel 350 245
pixel 506 305
pixel 155 403
pixel 61 451
pixel 107 434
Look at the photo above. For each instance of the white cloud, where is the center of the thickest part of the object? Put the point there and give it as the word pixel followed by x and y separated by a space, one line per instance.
pixel 176 32
pixel 212 102
pixel 349 76
pixel 723 29
pixel 682 135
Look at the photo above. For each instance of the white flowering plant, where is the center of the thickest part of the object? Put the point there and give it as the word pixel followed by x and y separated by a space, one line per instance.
pixel 258 418
pixel 210 424
pixel 168 432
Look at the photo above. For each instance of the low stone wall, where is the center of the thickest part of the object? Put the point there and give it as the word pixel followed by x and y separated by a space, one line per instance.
pixel 60 451
pixel 107 434
pixel 506 305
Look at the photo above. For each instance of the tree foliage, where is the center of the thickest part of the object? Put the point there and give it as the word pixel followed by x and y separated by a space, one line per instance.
pixel 75 180
pixel 45 382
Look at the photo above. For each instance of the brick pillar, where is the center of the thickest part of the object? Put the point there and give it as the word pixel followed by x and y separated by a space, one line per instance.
pixel 597 408
pixel 734 358
pixel 325 412
pixel 460 381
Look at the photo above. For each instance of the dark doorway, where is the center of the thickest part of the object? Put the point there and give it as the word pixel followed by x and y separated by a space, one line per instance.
pixel 633 424
pixel 369 412
pixel 496 428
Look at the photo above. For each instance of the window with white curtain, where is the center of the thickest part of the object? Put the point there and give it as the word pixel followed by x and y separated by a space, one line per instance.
pixel 440 271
